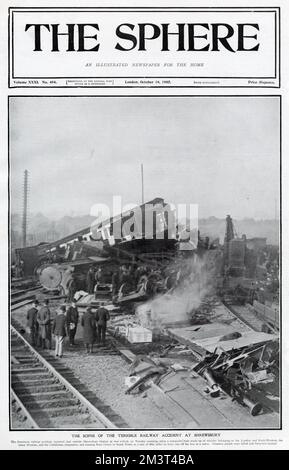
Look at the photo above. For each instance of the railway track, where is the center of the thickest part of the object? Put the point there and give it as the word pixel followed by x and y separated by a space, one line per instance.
pixel 19 292
pixel 22 295
pixel 50 396
pixel 20 415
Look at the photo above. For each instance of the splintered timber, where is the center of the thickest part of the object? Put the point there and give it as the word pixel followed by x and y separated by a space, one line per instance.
pixel 179 37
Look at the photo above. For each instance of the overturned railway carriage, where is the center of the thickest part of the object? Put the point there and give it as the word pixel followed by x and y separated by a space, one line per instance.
pixel 134 238
pixel 145 240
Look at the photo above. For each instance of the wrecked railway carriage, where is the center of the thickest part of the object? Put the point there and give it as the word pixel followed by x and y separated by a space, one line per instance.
pixel 144 239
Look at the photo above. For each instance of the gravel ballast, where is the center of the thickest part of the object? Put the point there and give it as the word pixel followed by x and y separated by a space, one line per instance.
pixel 105 376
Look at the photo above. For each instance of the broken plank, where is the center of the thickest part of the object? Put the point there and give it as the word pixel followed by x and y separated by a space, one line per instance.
pixel 128 355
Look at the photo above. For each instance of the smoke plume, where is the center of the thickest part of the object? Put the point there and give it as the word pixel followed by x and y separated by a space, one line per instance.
pixel 197 281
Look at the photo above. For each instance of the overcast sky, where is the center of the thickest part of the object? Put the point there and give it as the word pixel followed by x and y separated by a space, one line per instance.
pixel 221 153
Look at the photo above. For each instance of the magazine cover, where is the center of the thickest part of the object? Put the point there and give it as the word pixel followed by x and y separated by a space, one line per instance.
pixel 143 272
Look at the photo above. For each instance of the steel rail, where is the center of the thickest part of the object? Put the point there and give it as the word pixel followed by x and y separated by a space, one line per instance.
pixel 94 411
pixel 23 409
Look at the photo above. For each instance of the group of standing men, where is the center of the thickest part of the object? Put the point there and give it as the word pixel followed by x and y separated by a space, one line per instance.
pixel 94 327
pixel 124 275
pixel 39 323
pixel 64 323
pixel 42 326
pixel 93 279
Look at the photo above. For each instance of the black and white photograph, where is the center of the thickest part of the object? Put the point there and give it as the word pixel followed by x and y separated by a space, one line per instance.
pixel 144 249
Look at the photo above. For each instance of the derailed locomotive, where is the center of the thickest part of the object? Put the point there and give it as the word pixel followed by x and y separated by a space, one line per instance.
pixel 136 250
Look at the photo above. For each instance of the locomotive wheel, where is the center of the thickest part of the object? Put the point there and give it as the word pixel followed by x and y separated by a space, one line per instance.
pixel 50 277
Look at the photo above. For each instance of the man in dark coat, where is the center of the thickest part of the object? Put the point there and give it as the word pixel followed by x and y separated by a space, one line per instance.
pixel 90 281
pixel 88 324
pixel 43 320
pixel 59 330
pixel 99 276
pixel 32 322
pixel 72 321
pixel 101 318
pixel 71 290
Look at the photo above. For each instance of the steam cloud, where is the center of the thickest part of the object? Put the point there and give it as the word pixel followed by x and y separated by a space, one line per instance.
pixel 197 281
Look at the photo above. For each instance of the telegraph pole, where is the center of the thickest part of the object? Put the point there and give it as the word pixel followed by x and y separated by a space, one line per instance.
pixel 142 185
pixel 25 206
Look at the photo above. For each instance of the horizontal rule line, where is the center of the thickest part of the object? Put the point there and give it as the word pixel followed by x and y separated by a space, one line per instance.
pixel 151 86
pixel 137 9
pixel 141 96
pixel 142 78
pixel 152 11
